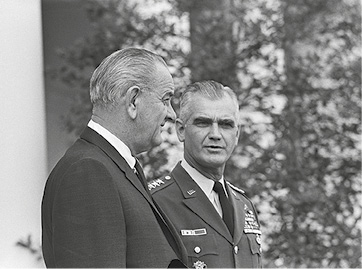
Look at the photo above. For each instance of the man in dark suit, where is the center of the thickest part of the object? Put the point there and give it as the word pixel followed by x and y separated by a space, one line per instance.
pixel 96 211
pixel 217 222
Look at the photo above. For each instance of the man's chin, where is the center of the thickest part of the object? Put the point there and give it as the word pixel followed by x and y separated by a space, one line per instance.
pixel 215 161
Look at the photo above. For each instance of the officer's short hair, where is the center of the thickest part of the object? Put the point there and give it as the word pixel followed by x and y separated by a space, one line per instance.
pixel 209 89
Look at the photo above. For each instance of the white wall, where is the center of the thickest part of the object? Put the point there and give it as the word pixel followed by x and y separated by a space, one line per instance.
pixel 22 130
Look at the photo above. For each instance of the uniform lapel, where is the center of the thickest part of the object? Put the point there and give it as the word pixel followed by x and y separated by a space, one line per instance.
pixel 239 214
pixel 96 139
pixel 197 202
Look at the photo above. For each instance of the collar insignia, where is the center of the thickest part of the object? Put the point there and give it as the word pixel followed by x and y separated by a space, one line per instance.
pixel 191 192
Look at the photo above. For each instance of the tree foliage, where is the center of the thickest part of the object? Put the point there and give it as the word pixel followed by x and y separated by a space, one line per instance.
pixel 310 167
pixel 296 67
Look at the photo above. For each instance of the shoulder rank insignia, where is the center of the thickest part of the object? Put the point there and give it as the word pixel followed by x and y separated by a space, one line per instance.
pixel 235 188
pixel 153 184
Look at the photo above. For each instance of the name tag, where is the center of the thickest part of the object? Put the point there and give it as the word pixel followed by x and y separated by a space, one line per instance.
pixel 194 232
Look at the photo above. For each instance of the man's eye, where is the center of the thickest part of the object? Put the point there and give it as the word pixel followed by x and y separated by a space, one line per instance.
pixel 166 101
pixel 227 125
pixel 202 124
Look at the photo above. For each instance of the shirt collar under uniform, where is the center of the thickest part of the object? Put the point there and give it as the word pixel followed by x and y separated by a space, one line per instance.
pixel 206 184
pixel 121 147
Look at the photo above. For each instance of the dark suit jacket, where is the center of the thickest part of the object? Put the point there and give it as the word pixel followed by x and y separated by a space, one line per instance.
pixel 96 213
pixel 205 235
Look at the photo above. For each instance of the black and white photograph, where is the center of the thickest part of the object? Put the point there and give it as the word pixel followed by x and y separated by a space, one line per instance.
pixel 180 134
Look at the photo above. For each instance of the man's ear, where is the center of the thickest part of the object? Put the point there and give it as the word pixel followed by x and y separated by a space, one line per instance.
pixel 180 130
pixel 132 101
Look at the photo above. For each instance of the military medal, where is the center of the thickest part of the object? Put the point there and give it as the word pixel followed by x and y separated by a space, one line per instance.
pixel 199 265
pixel 258 239
pixel 251 225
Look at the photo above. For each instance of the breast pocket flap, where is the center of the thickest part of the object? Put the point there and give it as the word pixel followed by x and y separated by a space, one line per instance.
pixel 198 246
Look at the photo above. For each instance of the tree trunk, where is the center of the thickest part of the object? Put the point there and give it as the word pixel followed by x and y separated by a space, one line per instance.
pixel 213 47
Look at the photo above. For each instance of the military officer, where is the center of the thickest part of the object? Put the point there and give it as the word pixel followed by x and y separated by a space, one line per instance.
pixel 217 222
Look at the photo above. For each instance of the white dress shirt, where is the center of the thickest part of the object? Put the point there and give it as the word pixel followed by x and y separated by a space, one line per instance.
pixel 121 147
pixel 206 185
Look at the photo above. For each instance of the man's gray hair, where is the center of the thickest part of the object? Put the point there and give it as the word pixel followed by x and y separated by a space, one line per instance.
pixel 209 89
pixel 120 71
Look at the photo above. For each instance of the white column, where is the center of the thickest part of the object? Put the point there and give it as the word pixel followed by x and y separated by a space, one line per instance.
pixel 22 130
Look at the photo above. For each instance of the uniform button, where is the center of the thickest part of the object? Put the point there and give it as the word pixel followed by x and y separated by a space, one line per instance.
pixel 236 249
pixel 197 250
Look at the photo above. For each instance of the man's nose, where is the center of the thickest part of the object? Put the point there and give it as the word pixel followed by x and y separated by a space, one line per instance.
pixel 171 115
pixel 214 131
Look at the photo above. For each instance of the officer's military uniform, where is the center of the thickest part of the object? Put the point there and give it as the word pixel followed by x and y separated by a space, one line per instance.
pixel 205 235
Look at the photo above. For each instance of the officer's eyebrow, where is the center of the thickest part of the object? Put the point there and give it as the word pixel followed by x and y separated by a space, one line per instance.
pixel 226 122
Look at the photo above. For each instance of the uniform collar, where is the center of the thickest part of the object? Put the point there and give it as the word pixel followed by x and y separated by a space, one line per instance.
pixel 205 184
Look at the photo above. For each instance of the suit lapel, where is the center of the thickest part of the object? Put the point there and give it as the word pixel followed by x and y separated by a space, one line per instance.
pixel 169 231
pixel 196 200
pixel 96 139
pixel 239 214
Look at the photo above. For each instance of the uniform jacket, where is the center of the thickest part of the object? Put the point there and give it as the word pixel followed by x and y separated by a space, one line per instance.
pixel 205 235
pixel 96 213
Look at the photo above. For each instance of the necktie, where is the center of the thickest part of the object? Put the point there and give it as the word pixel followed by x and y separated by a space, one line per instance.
pixel 227 208
pixel 139 172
